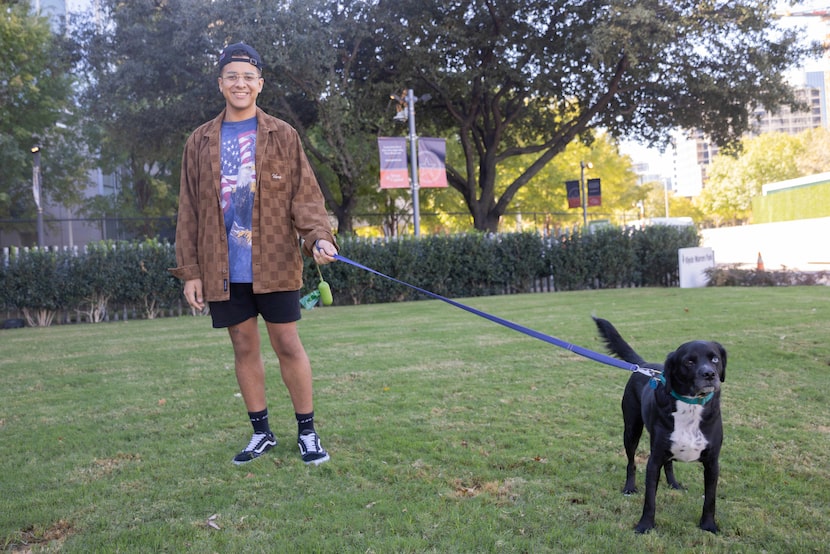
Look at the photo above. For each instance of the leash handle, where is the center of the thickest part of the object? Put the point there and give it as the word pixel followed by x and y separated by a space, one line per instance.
pixel 584 352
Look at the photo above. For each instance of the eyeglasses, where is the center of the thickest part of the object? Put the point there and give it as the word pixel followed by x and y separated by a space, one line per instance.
pixel 233 78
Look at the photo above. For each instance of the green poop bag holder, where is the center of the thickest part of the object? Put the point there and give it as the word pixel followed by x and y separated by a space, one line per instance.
pixel 322 294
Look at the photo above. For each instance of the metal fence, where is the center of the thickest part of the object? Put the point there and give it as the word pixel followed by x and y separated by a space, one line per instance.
pixel 72 232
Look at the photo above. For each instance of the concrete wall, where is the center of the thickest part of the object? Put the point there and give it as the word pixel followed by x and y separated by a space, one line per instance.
pixel 803 244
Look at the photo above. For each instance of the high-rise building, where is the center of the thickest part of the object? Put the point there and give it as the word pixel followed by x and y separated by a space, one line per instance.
pixel 785 120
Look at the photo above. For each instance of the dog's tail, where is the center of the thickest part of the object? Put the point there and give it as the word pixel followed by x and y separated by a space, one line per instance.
pixel 616 344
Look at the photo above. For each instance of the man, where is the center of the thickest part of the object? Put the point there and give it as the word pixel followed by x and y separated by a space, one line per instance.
pixel 248 195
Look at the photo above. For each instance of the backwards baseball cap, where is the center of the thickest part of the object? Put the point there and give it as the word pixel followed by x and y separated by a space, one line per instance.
pixel 239 52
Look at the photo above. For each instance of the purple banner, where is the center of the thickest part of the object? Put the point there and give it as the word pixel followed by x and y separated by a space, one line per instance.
pixel 572 187
pixel 432 154
pixel 594 193
pixel 393 163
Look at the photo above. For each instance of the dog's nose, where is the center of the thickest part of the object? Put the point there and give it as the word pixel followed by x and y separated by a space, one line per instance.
pixel 709 374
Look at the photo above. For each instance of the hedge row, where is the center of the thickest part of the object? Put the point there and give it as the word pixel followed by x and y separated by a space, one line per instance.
pixel 90 283
pixel 480 265
pixel 110 278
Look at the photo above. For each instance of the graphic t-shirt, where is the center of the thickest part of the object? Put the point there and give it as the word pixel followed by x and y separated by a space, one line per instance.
pixel 238 189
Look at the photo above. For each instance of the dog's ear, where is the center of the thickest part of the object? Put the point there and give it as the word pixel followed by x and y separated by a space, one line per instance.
pixel 722 352
pixel 672 359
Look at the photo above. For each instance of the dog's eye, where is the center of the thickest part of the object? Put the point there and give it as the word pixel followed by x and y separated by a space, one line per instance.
pixel 715 359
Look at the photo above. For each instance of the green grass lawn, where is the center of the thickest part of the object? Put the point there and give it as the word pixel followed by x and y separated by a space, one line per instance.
pixel 448 433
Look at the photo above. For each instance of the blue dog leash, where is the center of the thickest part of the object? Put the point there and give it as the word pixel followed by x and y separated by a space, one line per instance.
pixel 590 354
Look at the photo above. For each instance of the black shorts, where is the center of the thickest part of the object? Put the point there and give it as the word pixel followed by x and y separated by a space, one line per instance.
pixel 275 307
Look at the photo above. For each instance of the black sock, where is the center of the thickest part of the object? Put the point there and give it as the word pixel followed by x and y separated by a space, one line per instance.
pixel 260 421
pixel 305 422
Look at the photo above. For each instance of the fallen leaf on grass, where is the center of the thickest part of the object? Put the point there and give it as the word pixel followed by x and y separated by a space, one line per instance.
pixel 211 522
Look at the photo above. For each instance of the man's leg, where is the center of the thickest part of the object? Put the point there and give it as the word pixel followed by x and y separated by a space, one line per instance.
pixel 250 370
pixel 250 374
pixel 295 369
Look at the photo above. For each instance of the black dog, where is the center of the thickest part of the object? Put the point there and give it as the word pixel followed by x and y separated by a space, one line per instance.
pixel 680 407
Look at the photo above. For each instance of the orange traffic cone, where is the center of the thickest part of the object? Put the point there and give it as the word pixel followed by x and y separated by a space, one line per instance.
pixel 760 262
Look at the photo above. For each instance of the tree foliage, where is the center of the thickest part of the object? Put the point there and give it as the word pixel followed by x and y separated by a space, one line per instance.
pixel 545 195
pixel 36 107
pixel 508 79
pixel 815 158
pixel 517 77
pixel 149 86
pixel 323 85
pixel 36 283
pixel 737 175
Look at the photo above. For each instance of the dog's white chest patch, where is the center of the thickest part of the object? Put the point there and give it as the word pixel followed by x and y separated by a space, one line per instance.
pixel 687 441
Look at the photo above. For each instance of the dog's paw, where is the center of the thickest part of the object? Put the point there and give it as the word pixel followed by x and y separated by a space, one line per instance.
pixel 677 486
pixel 643 528
pixel 709 525
pixel 628 490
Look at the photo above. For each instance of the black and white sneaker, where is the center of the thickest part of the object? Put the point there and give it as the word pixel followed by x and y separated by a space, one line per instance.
pixel 260 444
pixel 310 449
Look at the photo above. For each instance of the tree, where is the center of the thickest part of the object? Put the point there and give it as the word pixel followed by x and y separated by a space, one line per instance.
pixel 519 77
pixel 737 174
pixel 36 107
pixel 546 190
pixel 816 155
pixel 654 205
pixel 149 87
pixel 320 82
pixel 154 69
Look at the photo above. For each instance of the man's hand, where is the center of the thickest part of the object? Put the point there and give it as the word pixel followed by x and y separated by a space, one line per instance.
pixel 324 252
pixel 193 294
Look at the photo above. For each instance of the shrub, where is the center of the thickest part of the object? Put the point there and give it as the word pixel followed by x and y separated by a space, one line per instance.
pixel 134 275
pixel 97 278
pixel 732 276
pixel 478 264
pixel 148 284
pixel 656 249
pixel 36 283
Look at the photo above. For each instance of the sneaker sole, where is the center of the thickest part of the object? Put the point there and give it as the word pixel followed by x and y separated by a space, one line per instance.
pixel 318 461
pixel 264 450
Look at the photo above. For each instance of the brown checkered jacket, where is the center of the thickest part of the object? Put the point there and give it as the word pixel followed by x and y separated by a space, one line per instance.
pixel 288 206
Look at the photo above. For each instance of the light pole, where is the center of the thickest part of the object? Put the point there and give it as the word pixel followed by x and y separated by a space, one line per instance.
pixel 583 195
pixel 36 191
pixel 409 113
pixel 413 153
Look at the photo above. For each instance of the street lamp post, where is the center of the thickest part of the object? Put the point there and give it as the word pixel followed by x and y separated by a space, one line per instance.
pixel 413 153
pixel 36 191
pixel 584 196
pixel 408 113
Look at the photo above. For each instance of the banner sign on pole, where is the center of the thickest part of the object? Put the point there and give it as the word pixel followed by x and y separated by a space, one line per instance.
pixel 36 186
pixel 393 163
pixel 594 193
pixel 431 162
pixel 572 187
